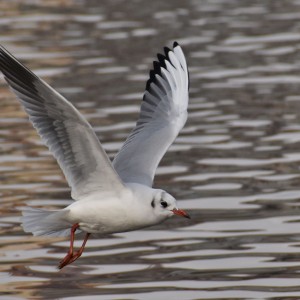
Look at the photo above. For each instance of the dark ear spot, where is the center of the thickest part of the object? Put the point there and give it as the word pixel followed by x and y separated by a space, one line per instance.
pixel 152 203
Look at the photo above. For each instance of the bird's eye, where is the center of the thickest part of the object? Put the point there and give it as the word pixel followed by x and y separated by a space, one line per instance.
pixel 163 203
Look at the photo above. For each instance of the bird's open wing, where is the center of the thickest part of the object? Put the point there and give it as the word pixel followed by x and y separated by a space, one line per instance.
pixel 163 114
pixel 62 128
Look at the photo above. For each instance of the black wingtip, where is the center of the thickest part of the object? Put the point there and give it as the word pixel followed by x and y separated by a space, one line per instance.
pixel 14 71
pixel 167 50
pixel 2 49
pixel 175 44
pixel 150 80
pixel 157 65
pixel 161 58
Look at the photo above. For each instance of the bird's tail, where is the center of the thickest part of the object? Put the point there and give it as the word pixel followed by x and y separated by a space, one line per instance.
pixel 42 222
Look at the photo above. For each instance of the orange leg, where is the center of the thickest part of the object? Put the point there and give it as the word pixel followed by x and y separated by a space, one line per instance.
pixel 71 256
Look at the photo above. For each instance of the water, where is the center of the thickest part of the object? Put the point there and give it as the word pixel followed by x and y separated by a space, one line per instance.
pixel 235 166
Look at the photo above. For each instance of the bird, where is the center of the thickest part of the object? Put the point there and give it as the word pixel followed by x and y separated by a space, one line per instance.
pixel 109 196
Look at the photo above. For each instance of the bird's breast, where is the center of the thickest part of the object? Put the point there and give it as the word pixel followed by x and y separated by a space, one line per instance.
pixel 107 216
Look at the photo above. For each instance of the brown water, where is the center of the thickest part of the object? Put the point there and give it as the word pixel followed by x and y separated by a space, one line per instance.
pixel 235 166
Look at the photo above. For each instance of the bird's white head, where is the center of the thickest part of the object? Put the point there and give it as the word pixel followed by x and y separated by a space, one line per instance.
pixel 153 205
pixel 164 205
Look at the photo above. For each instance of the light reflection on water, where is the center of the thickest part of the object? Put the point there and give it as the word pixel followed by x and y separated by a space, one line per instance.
pixel 235 166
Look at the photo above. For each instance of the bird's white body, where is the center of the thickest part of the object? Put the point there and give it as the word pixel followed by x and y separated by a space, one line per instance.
pixel 105 213
pixel 109 196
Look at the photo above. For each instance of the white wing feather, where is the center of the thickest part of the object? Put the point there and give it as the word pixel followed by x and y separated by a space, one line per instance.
pixel 163 114
pixel 62 128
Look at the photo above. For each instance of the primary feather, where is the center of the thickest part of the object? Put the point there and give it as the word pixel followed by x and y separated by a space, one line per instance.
pixel 163 114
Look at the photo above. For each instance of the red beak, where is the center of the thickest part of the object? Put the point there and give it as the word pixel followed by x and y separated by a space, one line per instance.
pixel 181 213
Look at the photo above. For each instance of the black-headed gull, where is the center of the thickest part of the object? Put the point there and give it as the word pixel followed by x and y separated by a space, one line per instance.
pixel 110 197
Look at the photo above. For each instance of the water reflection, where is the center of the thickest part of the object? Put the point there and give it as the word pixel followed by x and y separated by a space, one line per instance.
pixel 235 166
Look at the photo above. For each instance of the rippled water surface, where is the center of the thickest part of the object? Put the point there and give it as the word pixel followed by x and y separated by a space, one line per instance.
pixel 234 167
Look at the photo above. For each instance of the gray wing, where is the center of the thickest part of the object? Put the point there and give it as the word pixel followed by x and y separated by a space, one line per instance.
pixel 62 128
pixel 163 114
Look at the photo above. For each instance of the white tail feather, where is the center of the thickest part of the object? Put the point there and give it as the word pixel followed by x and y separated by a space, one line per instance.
pixel 42 222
